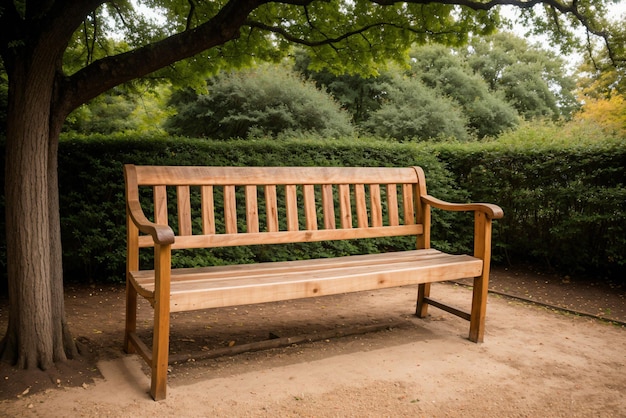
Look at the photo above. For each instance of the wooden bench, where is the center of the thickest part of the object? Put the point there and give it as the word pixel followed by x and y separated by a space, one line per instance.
pixel 319 204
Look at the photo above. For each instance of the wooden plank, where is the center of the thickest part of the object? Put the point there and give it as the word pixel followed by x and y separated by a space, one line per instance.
pixel 447 308
pixel 362 220
pixel 392 204
pixel 291 200
pixel 184 210
pixel 230 210
pixel 295 285
pixel 142 348
pixel 310 210
pixel 145 278
pixel 345 207
pixel 271 208
pixel 285 237
pixel 231 292
pixel 490 210
pixel 208 210
pixel 328 206
pixel 376 205
pixel 252 209
pixel 241 176
pixel 408 204
pixel 160 205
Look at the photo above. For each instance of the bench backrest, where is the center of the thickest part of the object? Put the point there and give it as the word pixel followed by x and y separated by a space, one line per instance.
pixel 273 205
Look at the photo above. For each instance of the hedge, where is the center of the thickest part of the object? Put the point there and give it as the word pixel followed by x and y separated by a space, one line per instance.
pixel 564 206
pixel 91 184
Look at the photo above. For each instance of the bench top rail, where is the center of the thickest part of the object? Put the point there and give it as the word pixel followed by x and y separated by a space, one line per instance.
pixel 241 176
pixel 230 206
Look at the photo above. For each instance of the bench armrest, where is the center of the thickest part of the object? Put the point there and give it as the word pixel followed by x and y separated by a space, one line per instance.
pixel 491 211
pixel 161 234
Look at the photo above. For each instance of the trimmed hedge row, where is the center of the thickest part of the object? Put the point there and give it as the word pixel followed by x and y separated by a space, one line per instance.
pixel 564 206
pixel 91 184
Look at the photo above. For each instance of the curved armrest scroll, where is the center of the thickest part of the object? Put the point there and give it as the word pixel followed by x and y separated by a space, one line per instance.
pixel 490 210
pixel 161 234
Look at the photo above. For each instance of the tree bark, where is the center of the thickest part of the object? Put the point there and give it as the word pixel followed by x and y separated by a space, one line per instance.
pixel 37 334
pixel 63 344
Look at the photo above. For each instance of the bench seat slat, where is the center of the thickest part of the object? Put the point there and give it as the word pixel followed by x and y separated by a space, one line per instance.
pixel 220 286
pixel 145 278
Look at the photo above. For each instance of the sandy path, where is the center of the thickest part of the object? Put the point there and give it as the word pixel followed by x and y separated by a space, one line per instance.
pixel 533 362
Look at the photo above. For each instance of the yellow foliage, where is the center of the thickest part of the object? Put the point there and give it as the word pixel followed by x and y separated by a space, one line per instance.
pixel 608 113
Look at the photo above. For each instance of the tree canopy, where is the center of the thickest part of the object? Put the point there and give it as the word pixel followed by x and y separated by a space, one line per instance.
pixel 57 56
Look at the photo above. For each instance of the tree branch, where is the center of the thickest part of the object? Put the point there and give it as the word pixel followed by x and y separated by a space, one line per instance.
pixel 111 71
pixel 563 8
pixel 225 26
pixel 192 9
pixel 326 41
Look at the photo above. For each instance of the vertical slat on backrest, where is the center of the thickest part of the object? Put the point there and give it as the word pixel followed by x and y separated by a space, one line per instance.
pixel 160 205
pixel 230 210
pixel 271 208
pixel 376 205
pixel 208 210
pixel 328 206
pixel 252 210
pixel 310 212
pixel 292 207
pixel 184 210
pixel 345 208
pixel 392 204
pixel 407 201
pixel 361 206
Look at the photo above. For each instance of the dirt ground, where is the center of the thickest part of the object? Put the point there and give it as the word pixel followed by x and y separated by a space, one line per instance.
pixel 367 357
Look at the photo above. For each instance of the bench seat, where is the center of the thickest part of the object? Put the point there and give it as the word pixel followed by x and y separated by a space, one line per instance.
pixel 220 286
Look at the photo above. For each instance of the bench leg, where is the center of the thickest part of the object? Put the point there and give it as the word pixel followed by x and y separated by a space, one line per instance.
pixel 482 250
pixel 479 308
pixel 161 335
pixel 160 351
pixel 423 291
pixel 131 317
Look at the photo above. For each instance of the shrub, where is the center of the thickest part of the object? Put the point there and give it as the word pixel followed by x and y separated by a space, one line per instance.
pixel 267 101
pixel 412 111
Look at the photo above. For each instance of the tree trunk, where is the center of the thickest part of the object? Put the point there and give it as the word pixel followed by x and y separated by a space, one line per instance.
pixel 37 334
pixel 40 97
pixel 64 345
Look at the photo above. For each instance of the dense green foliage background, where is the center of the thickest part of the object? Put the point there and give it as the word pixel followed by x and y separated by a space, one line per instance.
pixel 469 92
pixel 564 204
